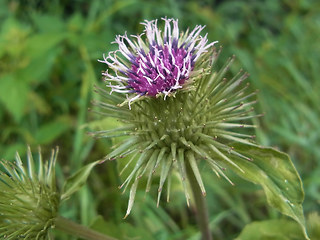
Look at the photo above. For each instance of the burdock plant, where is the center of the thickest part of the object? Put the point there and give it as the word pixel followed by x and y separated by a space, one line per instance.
pixel 179 110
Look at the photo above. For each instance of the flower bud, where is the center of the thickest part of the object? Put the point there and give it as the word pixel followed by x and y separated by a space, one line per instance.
pixel 29 198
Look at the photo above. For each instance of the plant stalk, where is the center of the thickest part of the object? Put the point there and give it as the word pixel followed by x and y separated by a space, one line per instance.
pixel 201 205
pixel 78 230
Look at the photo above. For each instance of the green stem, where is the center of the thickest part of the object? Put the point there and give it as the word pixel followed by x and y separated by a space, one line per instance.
pixel 78 230
pixel 201 204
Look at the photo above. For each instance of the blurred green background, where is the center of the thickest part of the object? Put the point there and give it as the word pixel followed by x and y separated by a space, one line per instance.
pixel 48 67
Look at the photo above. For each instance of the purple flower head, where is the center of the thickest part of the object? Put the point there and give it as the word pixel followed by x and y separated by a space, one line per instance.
pixel 159 65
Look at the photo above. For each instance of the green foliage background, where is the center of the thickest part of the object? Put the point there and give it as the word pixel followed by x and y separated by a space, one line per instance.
pixel 48 66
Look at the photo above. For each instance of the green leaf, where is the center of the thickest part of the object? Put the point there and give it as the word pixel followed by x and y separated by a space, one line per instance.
pixel 52 130
pixel 13 36
pixel 39 45
pixel 275 172
pixel 49 23
pixel 13 94
pixel 77 180
pixel 278 229
pixel 41 50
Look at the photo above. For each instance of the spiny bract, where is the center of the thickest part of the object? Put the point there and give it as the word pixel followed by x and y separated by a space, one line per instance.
pixel 29 199
pixel 182 110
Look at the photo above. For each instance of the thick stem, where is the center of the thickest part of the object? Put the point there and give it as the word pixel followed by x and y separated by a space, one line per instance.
pixel 78 230
pixel 201 204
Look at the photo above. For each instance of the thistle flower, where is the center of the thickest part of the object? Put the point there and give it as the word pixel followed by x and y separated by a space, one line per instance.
pixel 29 200
pixel 194 121
pixel 161 65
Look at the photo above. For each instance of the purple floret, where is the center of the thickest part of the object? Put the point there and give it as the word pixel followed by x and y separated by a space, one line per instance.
pixel 157 73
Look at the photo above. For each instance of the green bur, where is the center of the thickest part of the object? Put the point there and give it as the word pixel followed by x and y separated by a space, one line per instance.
pixel 29 198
